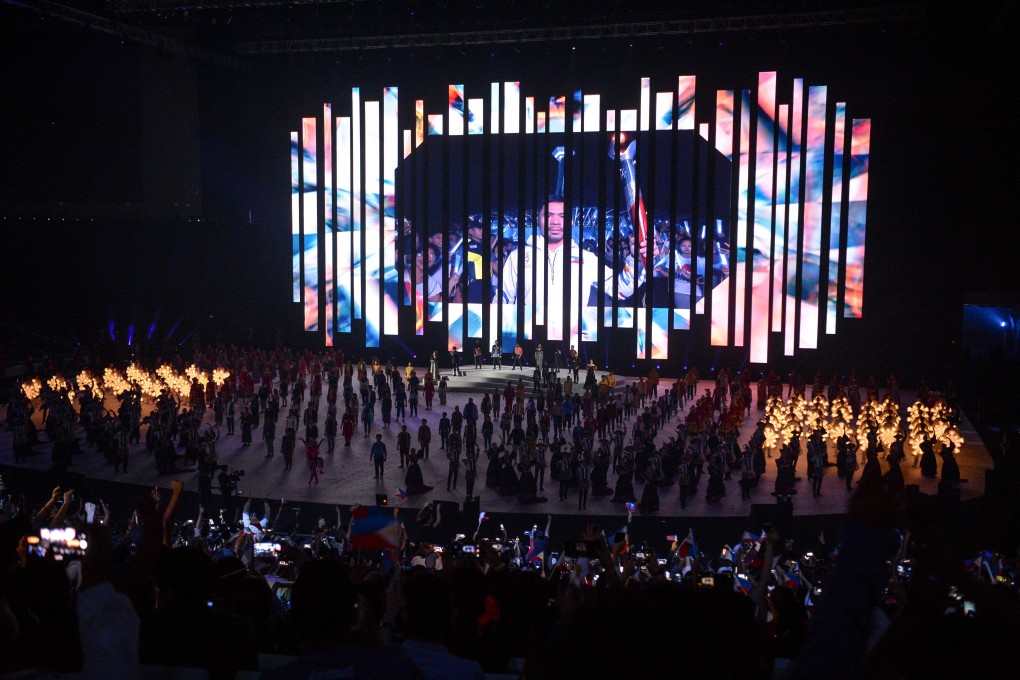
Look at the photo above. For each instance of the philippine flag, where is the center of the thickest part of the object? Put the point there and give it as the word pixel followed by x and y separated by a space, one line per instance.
pixel 789 579
pixel 742 585
pixel 687 547
pixel 374 528
pixel 750 537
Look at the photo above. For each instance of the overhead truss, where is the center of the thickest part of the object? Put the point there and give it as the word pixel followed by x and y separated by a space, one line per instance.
pixel 761 22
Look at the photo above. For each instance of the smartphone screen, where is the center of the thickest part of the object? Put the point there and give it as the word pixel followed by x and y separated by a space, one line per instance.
pixel 282 591
pixel 58 544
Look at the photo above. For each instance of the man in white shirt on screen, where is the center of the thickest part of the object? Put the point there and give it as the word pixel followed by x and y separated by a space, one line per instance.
pixel 551 271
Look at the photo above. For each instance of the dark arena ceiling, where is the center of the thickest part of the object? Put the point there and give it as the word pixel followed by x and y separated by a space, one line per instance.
pixel 222 30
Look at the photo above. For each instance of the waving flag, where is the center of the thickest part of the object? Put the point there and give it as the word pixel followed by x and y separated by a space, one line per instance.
pixel 742 585
pixel 374 528
pixel 401 493
pixel 788 579
pixel 687 547
pixel 749 536
pixel 536 551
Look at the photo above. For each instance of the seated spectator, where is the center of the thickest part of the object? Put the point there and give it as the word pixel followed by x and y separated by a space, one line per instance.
pixel 428 598
pixel 184 630
pixel 324 610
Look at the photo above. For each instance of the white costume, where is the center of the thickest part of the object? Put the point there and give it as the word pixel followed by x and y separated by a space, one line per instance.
pixel 551 269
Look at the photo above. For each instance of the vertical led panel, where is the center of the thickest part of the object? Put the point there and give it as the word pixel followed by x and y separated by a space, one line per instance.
pixel 628 120
pixel 345 234
pixel 660 333
pixel 703 129
pixel 408 145
pixel 576 112
pixel 387 208
pixel 557 114
pixel 328 244
pixel 495 330
pixel 529 115
pixel 476 116
pixel 511 108
pixel 706 205
pixel 761 250
pixel 835 218
pixel 455 331
pixel 793 201
pixel 550 273
pixel 860 150
pixel 724 101
pixel 419 122
pixel 592 112
pixel 814 198
pixel 327 161
pixel 595 277
pixel 310 222
pixel 640 336
pixel 685 92
pixel 494 108
pixel 720 323
pixel 456 109
pixel 663 110
pixel 540 122
pixel 474 320
pixel 646 103
pixel 457 244
pixel 373 226
pixel 295 215
pixel 357 203
pixel 779 244
pixel 435 124
pixel 611 120
pixel 572 260
pixel 743 182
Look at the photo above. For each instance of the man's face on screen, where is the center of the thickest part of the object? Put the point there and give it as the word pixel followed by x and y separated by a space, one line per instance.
pixel 552 216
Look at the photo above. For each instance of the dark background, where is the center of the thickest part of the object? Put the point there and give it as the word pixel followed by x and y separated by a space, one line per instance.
pixel 150 190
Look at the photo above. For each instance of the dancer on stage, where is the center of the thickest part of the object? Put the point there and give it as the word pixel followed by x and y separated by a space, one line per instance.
pixel 313 460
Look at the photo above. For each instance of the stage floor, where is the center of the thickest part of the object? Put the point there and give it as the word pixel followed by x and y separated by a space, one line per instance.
pixel 348 476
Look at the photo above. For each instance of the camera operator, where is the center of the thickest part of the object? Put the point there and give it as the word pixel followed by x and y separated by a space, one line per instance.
pixel 228 489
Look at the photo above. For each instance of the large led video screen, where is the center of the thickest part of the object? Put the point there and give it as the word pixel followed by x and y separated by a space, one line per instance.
pixel 506 213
